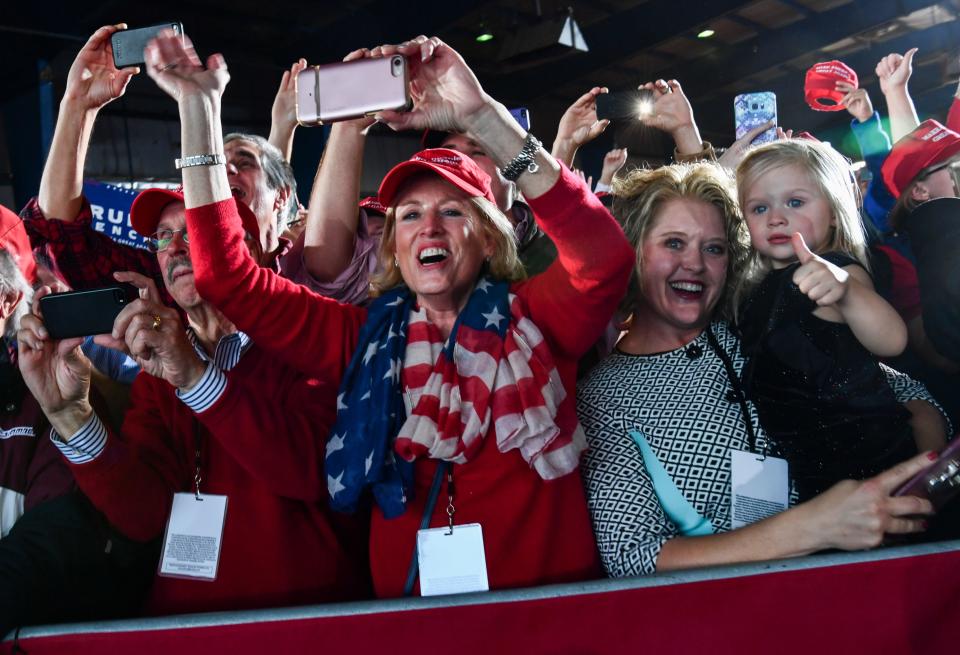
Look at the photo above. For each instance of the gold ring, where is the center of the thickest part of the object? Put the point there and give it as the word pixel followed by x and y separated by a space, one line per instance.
pixel 156 322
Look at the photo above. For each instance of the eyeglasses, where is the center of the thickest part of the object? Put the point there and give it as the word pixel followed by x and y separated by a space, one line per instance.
pixel 162 239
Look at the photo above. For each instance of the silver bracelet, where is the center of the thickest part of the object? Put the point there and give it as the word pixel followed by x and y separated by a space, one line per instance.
pixel 525 161
pixel 199 160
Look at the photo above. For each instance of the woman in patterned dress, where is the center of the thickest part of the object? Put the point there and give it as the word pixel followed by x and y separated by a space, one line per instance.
pixel 664 413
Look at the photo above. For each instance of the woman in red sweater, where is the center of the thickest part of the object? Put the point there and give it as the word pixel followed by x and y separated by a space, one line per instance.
pixel 456 405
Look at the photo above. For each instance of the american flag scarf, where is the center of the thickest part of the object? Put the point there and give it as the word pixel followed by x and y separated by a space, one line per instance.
pixel 495 366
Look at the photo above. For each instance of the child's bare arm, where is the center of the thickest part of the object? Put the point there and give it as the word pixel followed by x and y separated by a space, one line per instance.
pixel 872 320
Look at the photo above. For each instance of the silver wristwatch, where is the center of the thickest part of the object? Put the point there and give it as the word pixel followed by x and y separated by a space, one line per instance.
pixel 199 160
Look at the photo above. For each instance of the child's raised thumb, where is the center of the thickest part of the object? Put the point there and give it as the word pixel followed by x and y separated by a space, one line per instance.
pixel 804 254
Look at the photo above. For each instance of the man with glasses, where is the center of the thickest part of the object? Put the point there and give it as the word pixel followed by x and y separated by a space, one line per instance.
pixel 210 414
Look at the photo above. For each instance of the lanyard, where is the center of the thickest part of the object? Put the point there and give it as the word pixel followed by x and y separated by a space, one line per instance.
pixel 738 393
pixel 442 468
pixel 196 460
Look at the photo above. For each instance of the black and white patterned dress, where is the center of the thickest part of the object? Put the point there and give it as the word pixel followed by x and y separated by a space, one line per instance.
pixel 682 403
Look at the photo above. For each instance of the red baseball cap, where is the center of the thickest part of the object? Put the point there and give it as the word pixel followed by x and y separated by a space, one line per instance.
pixel 454 167
pixel 13 239
pixel 372 205
pixel 820 87
pixel 929 144
pixel 148 205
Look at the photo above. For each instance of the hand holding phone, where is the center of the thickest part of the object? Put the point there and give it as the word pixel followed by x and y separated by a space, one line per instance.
pixel 940 482
pixel 352 89
pixel 94 79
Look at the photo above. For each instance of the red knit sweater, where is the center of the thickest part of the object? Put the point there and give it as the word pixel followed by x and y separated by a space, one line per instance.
pixel 535 532
pixel 261 448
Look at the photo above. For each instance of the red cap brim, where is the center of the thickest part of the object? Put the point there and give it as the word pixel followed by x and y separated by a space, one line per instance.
pixel 403 171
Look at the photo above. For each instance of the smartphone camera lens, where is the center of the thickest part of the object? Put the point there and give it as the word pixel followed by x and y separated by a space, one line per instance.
pixel 119 297
pixel 756 106
pixel 396 66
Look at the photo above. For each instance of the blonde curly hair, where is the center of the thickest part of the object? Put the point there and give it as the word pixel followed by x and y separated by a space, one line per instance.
pixel 639 196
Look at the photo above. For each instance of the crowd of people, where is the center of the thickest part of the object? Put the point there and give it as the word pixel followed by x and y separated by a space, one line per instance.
pixel 687 365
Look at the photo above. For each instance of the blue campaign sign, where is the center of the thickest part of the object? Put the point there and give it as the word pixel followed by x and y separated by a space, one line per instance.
pixel 110 206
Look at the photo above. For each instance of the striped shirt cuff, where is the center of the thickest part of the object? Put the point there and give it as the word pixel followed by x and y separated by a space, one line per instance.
pixel 86 444
pixel 205 392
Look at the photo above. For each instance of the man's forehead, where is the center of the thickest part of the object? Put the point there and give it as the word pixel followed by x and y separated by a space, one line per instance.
pixel 173 216
pixel 243 148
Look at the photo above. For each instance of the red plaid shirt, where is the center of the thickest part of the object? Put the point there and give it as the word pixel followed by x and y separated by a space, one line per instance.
pixel 85 258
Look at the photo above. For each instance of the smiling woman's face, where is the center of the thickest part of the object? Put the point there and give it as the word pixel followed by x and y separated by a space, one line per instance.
pixel 683 267
pixel 439 244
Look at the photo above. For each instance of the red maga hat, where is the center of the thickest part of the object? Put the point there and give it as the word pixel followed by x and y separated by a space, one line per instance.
pixel 928 144
pixel 820 88
pixel 148 205
pixel 13 239
pixel 454 167
pixel 372 204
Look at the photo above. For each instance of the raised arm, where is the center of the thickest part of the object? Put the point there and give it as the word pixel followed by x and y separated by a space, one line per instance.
pixel 93 81
pixel 311 333
pixel 578 125
pixel 849 290
pixel 331 231
pixel 894 72
pixel 672 113
pixel 283 115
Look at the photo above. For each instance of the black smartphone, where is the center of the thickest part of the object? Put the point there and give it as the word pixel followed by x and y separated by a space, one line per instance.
pixel 128 45
pixel 86 312
pixel 624 105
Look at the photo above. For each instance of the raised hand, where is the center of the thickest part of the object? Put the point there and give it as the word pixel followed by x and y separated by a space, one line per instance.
pixel 894 70
pixel 579 125
pixel 613 161
pixel 94 80
pixel 822 282
pixel 445 92
pixel 173 64
pixel 671 110
pixel 856 100
pixel 284 110
pixel 56 372
pixel 154 336
pixel 733 155
pixel 283 114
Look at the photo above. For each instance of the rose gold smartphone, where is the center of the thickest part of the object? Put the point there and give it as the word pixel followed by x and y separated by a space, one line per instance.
pixel 351 89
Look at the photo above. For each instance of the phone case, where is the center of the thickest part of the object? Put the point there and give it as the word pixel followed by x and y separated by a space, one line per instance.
pixel 128 45
pixel 751 110
pixel 939 482
pixel 351 89
pixel 86 312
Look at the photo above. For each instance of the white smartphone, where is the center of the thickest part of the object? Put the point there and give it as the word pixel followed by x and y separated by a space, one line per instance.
pixel 351 89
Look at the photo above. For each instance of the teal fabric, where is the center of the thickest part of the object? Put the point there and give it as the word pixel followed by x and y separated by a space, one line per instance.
pixel 677 508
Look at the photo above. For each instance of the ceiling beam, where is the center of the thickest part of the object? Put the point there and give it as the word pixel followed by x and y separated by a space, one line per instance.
pixel 776 47
pixel 614 39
